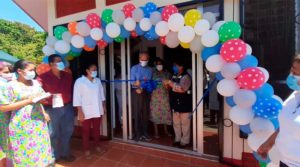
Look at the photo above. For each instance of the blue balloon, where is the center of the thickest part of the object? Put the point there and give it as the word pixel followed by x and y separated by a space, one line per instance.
pixel 75 50
pixel 103 25
pixel 248 61
pixel 151 34
pixel 45 60
pixel 149 8
pixel 139 31
pixel 230 101
pixel 219 76
pixel 246 128
pixel 90 42
pixel 107 39
pixel 260 159
pixel 124 33
pixel 209 51
pixel 275 123
pixel 267 108
pixel 265 91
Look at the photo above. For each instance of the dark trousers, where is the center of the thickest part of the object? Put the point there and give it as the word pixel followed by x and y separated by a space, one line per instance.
pixel 283 164
pixel 140 110
pixel 86 131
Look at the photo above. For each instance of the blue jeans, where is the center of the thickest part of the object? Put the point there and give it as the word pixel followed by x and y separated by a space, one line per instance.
pixel 61 129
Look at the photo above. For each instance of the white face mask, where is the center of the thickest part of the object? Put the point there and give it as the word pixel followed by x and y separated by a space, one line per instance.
pixel 94 74
pixel 7 76
pixel 159 67
pixel 144 63
pixel 29 75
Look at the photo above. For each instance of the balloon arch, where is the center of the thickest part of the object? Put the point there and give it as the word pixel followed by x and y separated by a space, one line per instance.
pixel 244 85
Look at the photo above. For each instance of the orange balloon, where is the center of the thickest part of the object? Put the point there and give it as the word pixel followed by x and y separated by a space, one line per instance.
pixel 72 28
pixel 88 49
pixel 42 68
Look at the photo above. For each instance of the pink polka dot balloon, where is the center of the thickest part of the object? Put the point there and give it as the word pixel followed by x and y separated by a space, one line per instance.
pixel 251 78
pixel 168 11
pixel 128 9
pixel 93 20
pixel 233 50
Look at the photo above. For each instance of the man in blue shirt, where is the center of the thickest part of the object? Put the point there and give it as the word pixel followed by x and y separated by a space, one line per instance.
pixel 140 98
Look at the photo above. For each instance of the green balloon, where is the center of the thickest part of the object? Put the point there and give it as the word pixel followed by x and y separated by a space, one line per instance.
pixel 58 32
pixel 229 30
pixel 262 164
pixel 119 39
pixel 107 15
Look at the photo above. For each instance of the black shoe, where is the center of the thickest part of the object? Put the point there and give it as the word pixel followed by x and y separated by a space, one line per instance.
pixel 69 158
pixel 182 146
pixel 176 144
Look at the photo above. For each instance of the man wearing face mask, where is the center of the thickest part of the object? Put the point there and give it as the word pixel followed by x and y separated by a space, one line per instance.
pixel 287 139
pixel 59 106
pixel 181 103
pixel 140 98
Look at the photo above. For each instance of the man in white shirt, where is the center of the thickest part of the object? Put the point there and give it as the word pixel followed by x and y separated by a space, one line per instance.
pixel 287 138
pixel 90 102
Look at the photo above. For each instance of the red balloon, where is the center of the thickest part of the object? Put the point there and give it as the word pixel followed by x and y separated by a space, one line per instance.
pixel 102 44
pixel 163 40
pixel 251 78
pixel 134 34
pixel 128 9
pixel 93 20
pixel 233 50
pixel 168 11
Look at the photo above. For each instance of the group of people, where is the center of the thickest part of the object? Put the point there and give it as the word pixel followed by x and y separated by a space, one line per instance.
pixel 35 130
pixel 170 103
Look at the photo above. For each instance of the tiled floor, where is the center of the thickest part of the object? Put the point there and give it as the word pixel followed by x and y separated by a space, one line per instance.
pixel 119 157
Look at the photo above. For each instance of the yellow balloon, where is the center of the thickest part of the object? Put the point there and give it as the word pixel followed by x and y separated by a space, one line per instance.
pixel 191 17
pixel 185 45
pixel 69 57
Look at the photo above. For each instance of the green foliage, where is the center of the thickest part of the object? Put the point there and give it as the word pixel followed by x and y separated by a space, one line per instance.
pixel 22 41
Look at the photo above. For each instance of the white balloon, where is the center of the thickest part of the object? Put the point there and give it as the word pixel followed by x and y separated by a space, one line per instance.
pixel 227 87
pixel 275 155
pixel 241 116
pixel 137 14
pixel 172 40
pixel 214 63
pixel 67 36
pixel 48 50
pixel 255 141
pixel 129 24
pixel 244 98
pixel 196 45
pixel 162 28
pixel 249 49
pixel 118 16
pixel 266 73
pixel 145 24
pixel 77 41
pixel 271 164
pixel 83 29
pixel 96 34
pixel 218 25
pixel 278 98
pixel 230 70
pixel 261 126
pixel 201 27
pixel 176 22
pixel 210 38
pixel 51 40
pixel 155 17
pixel 113 30
pixel 211 17
pixel 62 46
pixel 186 34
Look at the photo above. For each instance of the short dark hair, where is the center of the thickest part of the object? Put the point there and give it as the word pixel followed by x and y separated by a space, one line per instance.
pixel 21 64
pixel 157 59
pixel 87 67
pixel 52 57
pixel 144 52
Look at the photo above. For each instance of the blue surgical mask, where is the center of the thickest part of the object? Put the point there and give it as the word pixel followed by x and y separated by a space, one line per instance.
pixel 292 82
pixel 94 74
pixel 60 66
pixel 175 69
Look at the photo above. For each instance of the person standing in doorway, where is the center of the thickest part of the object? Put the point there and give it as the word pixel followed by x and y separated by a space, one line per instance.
pixel 181 103
pixel 140 98
pixel 90 102
pixel 60 84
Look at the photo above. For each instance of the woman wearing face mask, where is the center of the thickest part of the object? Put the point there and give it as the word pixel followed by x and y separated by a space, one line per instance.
pixel 29 141
pixel 89 99
pixel 160 112
pixel 287 139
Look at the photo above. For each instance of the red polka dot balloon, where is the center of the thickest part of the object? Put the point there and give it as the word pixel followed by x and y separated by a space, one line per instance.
pixel 168 11
pixel 251 78
pixel 128 9
pixel 163 40
pixel 93 20
pixel 102 44
pixel 233 50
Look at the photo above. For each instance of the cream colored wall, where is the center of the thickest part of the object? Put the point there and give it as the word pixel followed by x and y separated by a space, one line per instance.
pixel 37 9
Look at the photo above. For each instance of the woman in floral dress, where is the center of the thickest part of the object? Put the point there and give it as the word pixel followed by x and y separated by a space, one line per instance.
pixel 159 104
pixel 29 142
